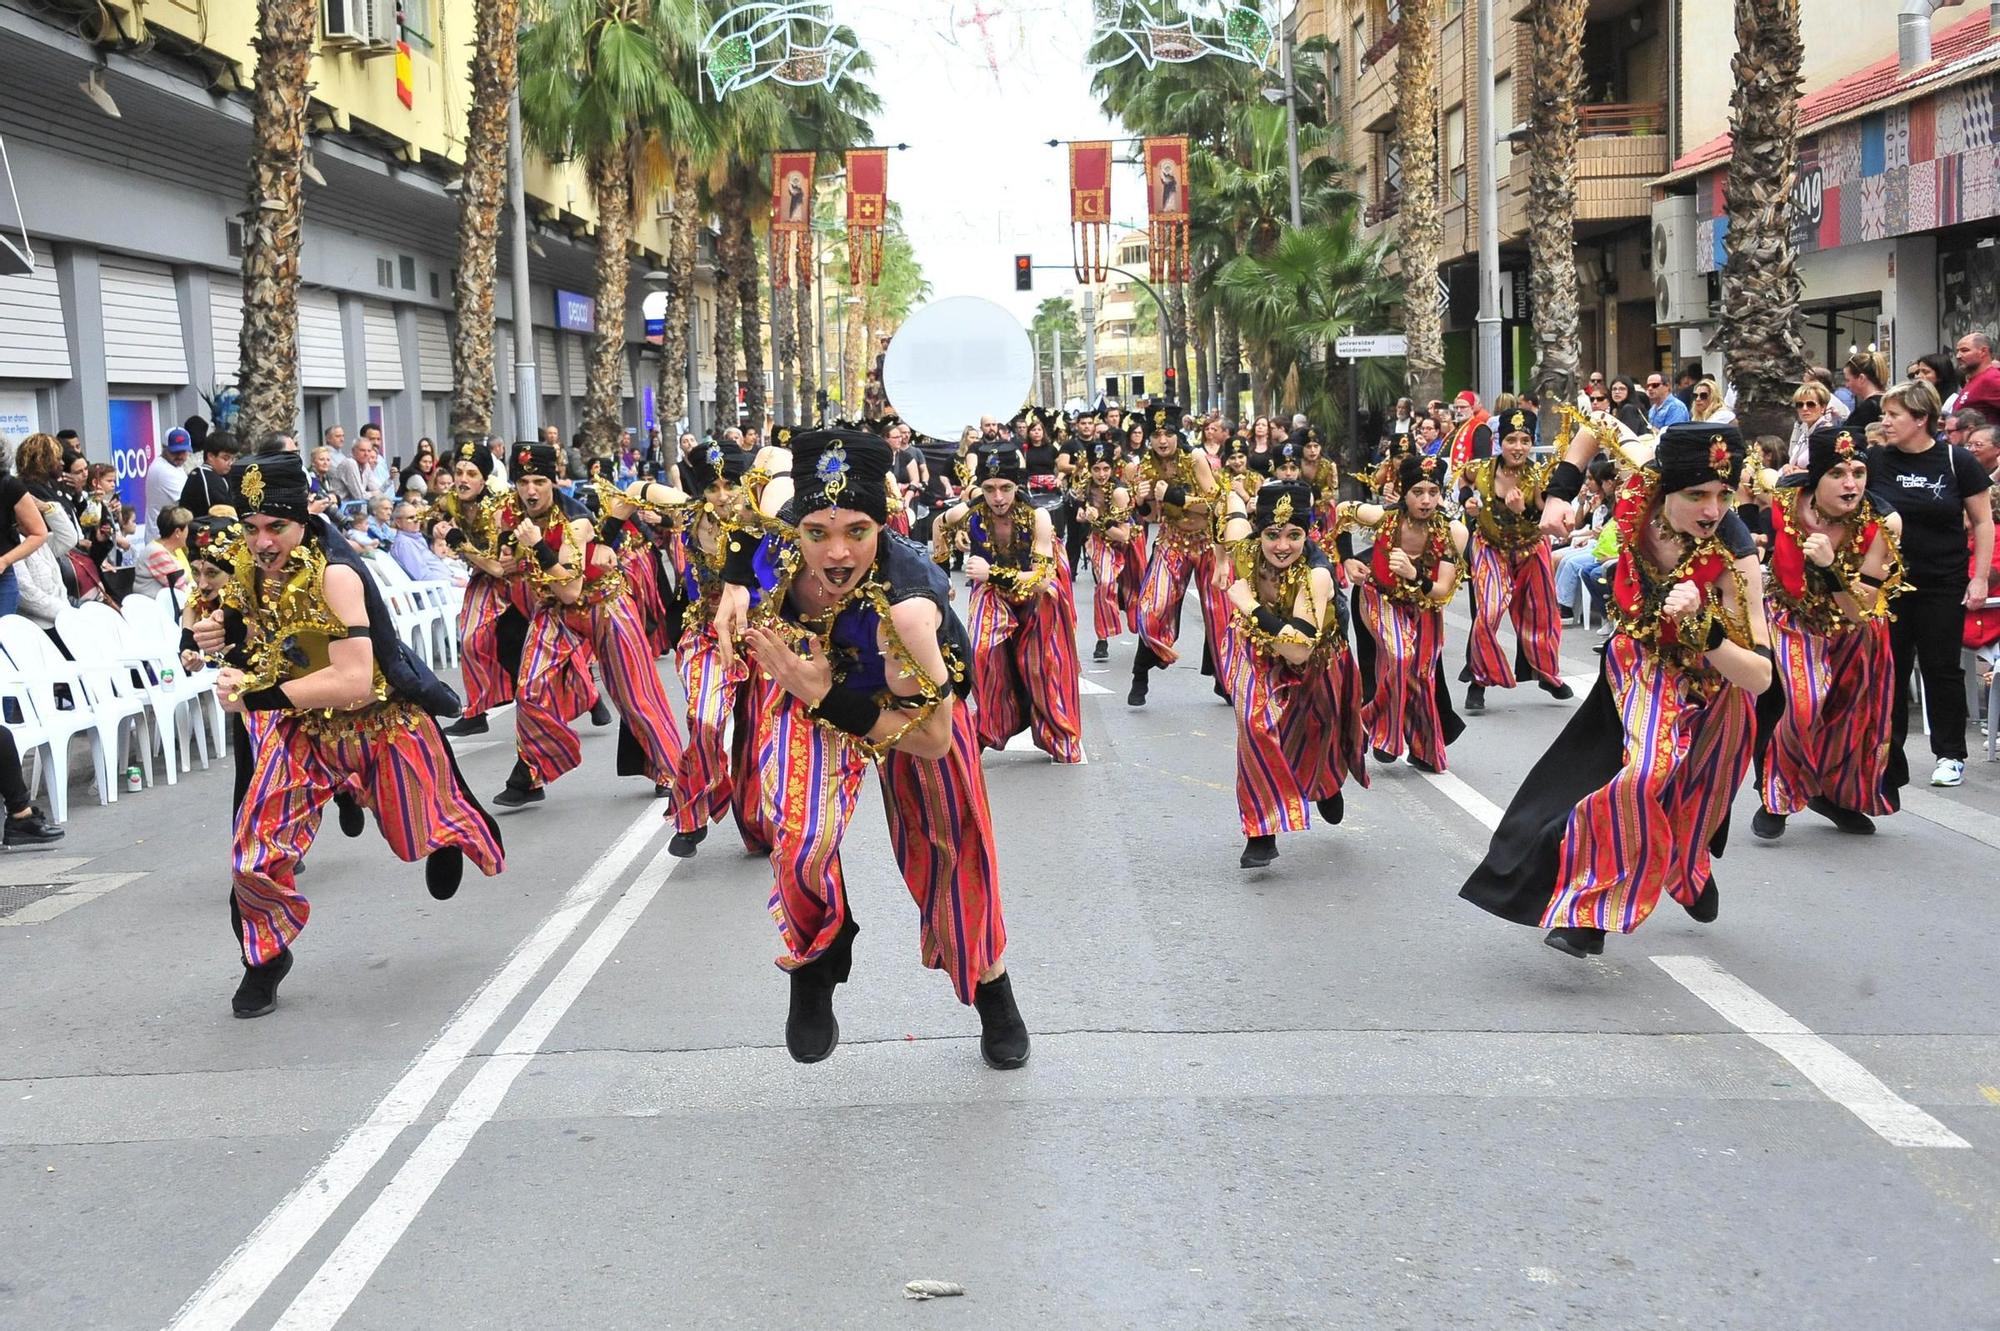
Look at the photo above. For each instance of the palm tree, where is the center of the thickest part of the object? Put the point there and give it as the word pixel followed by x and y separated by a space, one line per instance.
pixel 1420 232
pixel 496 25
pixel 1315 284
pixel 1760 281
pixel 600 78
pixel 1555 36
pixel 268 378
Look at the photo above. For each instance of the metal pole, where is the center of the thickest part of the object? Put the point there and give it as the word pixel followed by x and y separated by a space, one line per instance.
pixel 1291 119
pixel 819 318
pixel 527 394
pixel 1090 344
pixel 1056 334
pixel 691 364
pixel 1489 218
pixel 1354 406
pixel 781 368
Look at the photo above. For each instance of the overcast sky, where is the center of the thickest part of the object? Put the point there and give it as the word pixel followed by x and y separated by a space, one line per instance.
pixel 979 183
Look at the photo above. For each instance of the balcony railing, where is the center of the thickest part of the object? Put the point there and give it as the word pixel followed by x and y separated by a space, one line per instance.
pixel 1383 208
pixel 1621 119
pixel 1384 44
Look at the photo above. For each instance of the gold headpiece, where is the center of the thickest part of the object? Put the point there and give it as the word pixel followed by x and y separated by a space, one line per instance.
pixel 253 485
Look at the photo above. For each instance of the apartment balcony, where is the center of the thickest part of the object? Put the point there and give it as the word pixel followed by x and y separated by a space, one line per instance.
pixel 1385 206
pixel 1621 149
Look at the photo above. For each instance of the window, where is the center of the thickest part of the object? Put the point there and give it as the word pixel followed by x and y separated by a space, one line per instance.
pixel 1358 43
pixel 1453 8
pixel 1392 166
pixel 415 18
pixel 1333 83
pixel 434 286
pixel 1454 151
pixel 385 273
pixel 1503 121
pixel 407 268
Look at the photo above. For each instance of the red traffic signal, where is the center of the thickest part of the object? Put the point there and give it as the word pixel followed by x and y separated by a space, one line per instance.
pixel 1024 272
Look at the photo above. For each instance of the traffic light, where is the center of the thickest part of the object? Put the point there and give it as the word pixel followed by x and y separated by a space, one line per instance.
pixel 1173 384
pixel 1024 272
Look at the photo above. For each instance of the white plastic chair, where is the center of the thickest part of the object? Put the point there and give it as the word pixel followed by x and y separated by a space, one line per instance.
pixel 31 740
pixel 171 698
pixel 103 713
pixel 157 635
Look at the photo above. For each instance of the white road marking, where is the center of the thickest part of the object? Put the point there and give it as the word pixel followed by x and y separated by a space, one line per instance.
pixel 1025 743
pixel 1087 688
pixel 334 1287
pixel 243 1279
pixel 1843 1080
pixel 1465 797
pixel 1946 813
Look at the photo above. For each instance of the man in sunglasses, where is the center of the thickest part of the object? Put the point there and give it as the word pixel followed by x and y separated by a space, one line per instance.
pixel 1592 397
pixel 1666 409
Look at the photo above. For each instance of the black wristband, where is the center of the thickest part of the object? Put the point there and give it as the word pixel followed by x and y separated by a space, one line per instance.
pixel 1718 633
pixel 739 558
pixel 1825 577
pixel 849 710
pixel 1176 495
pixel 1425 581
pixel 1867 581
pixel 188 644
pixel 454 539
pixel 1565 482
pixel 271 699
pixel 1344 544
pixel 1304 626
pixel 1267 620
pixel 1765 652
pixel 546 557
pixel 612 533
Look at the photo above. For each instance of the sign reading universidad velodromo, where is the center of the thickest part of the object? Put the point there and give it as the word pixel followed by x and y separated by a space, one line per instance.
pixel 575 312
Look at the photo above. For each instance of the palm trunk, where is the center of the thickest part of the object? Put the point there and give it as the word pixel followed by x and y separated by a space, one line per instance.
pixel 494 71
pixel 804 304
pixel 728 262
pixel 268 377
pixel 784 350
pixel 1260 382
pixel 1420 231
pixel 1556 28
pixel 1177 336
pixel 1231 365
pixel 750 308
pixel 611 189
pixel 1760 281
pixel 1204 375
pixel 681 242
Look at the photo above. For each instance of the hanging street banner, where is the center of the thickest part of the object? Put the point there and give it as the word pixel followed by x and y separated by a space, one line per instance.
pixel 1089 209
pixel 791 218
pixel 867 210
pixel 1167 207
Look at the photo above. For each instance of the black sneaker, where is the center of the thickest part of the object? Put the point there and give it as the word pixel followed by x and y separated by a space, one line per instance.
pixel 1332 809
pixel 258 993
pixel 1383 756
pixel 443 870
pixel 1423 766
pixel 1137 697
pixel 663 790
pixel 520 789
pixel 600 713
pixel 353 819
pixel 1003 1036
pixel 1708 905
pixel 31 829
pixel 682 845
pixel 1101 652
pixel 467 725
pixel 1847 820
pixel 1259 851
pixel 1475 699
pixel 1767 826
pixel 1558 689
pixel 1578 943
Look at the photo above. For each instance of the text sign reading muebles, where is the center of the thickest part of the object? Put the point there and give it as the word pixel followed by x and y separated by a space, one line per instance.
pixel 1366 346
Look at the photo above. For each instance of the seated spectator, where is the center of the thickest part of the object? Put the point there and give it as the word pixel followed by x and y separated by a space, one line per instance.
pixel 161 565
pixel 1577 559
pixel 381 521
pixel 412 549
pixel 355 528
pixel 1710 406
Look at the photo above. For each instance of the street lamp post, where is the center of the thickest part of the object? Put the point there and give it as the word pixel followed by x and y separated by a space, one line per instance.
pixel 527 394
pixel 1291 118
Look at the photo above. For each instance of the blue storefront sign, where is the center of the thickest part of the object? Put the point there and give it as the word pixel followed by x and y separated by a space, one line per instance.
pixel 575 313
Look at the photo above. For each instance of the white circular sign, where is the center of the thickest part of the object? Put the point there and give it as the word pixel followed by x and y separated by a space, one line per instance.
pixel 954 361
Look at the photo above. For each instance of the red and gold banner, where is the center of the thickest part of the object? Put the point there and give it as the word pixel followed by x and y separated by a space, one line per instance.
pixel 867 210
pixel 791 218
pixel 1167 207
pixel 1089 208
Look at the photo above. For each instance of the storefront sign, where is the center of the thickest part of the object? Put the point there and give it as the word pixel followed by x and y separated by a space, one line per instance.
pixel 132 445
pixel 575 313
pixel 19 417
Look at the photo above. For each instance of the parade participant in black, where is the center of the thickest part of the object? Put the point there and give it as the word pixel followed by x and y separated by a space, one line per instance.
pixel 342 703
pixel 1632 800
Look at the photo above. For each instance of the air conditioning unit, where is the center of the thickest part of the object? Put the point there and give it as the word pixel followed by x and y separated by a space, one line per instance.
pixel 382 25
pixel 1680 290
pixel 344 22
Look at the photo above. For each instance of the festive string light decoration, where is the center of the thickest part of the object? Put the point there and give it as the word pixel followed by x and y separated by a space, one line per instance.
pixel 795 42
pixel 1162 32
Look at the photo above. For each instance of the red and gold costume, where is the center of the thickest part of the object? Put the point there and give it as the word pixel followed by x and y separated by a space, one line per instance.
pixel 1508 563
pixel 492 620
pixel 1182 550
pixel 1402 642
pixel 1114 596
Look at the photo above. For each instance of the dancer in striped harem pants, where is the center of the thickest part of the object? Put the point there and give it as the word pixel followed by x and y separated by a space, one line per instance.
pixel 341 706
pixel 856 632
pixel 1022 611
pixel 718 771
pixel 1284 653
pixel 584 610
pixel 1507 560
pixel 1632 800
pixel 1174 486
pixel 1401 590
pixel 1103 513
pixel 1824 732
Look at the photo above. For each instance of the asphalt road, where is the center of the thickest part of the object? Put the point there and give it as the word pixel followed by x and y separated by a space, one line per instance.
pixel 1325 1094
